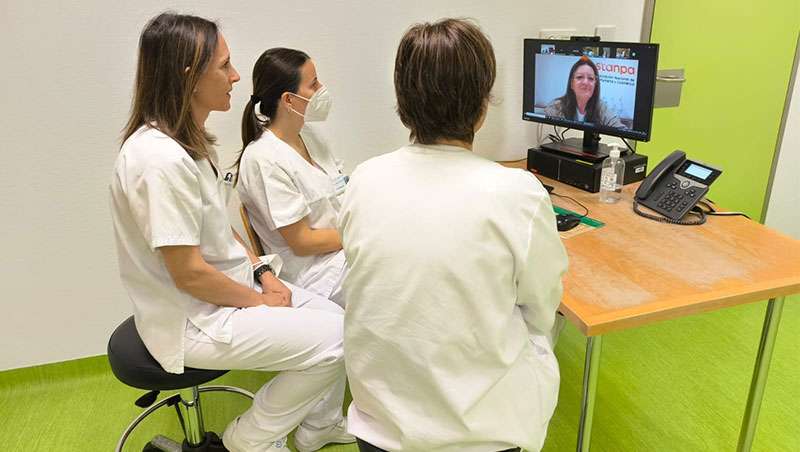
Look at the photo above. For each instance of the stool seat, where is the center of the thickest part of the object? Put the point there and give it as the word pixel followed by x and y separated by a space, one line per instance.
pixel 135 366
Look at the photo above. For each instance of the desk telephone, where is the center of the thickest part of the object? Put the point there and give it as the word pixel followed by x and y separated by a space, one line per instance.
pixel 674 187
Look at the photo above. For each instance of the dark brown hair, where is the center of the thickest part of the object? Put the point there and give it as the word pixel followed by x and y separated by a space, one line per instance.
pixel 569 103
pixel 171 43
pixel 276 71
pixel 443 77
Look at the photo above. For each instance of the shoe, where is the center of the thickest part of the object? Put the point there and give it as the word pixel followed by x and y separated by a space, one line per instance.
pixel 234 444
pixel 307 440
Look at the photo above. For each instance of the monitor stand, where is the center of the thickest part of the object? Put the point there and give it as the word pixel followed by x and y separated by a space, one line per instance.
pixel 589 149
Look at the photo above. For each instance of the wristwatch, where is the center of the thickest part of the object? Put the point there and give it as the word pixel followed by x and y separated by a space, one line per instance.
pixel 261 269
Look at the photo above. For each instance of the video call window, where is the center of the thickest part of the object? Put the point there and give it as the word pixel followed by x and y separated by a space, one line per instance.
pixel 601 85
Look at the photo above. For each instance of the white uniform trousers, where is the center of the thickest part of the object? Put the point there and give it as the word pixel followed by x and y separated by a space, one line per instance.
pixel 326 279
pixel 304 343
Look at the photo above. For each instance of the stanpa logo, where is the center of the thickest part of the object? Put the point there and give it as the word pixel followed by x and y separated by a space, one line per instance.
pixel 619 69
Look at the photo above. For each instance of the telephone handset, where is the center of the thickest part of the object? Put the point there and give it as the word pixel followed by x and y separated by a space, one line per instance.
pixel 674 187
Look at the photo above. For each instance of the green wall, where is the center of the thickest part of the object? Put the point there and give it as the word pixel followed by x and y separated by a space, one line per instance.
pixel 737 56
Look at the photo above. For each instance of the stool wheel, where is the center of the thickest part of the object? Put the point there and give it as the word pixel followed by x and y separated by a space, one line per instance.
pixel 213 443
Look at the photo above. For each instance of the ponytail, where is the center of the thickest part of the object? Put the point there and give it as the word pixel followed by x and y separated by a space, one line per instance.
pixel 276 71
pixel 252 129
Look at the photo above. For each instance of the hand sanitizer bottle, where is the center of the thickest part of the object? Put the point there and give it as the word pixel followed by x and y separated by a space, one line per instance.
pixel 611 177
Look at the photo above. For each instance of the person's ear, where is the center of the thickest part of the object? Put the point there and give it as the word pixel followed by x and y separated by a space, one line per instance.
pixel 186 72
pixel 286 98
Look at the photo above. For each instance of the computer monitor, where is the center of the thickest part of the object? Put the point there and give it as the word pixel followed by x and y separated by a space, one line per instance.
pixel 594 86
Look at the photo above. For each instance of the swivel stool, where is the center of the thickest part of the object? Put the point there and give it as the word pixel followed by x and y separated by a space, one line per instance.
pixel 133 365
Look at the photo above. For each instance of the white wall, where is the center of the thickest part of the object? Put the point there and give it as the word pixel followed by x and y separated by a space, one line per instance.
pixel 784 199
pixel 66 79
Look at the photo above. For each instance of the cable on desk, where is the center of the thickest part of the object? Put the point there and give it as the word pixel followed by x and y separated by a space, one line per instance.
pixel 697 211
pixel 629 145
pixel 710 210
pixel 575 201
pixel 555 138
pixel 559 136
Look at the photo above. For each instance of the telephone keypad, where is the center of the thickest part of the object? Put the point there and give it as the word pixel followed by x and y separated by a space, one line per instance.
pixel 674 199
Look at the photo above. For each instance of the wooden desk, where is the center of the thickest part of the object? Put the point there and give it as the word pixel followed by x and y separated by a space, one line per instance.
pixel 636 271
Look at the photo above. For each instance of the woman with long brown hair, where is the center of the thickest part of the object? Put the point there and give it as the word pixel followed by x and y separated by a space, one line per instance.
pixel 581 100
pixel 201 299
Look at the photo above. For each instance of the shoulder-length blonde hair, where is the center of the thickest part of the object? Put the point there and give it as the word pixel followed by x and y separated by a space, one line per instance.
pixel 174 51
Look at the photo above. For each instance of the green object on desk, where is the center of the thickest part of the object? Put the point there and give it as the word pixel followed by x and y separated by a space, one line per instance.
pixel 585 220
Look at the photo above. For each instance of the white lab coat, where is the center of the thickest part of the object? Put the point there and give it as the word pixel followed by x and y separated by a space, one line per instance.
pixel 160 197
pixel 279 187
pixel 454 279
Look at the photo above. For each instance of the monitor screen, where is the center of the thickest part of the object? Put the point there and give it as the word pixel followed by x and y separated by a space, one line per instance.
pixel 602 87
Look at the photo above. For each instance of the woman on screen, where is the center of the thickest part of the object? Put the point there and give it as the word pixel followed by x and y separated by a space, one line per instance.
pixel 582 100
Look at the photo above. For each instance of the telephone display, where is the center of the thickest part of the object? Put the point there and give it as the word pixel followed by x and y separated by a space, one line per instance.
pixel 698 171
pixel 676 185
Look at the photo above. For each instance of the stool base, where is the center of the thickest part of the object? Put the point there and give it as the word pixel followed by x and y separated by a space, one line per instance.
pixel 160 443
pixel 211 442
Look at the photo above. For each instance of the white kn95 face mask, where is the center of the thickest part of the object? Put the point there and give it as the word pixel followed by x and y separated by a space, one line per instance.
pixel 318 106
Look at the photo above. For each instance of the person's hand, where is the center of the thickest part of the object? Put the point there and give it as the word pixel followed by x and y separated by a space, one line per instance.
pixel 271 284
pixel 276 300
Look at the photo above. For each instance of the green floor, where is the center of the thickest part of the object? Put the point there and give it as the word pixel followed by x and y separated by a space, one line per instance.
pixel 679 385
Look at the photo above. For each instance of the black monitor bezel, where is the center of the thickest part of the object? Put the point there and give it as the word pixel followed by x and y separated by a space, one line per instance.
pixel 647 85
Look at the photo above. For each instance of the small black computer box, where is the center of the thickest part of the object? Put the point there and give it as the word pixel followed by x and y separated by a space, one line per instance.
pixel 580 173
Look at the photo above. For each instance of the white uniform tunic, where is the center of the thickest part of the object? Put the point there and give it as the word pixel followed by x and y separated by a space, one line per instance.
pixel 454 279
pixel 160 196
pixel 279 188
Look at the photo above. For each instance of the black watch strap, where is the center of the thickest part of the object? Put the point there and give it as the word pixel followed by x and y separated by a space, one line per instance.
pixel 260 270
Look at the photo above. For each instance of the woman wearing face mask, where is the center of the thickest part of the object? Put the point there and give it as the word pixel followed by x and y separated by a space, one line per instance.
pixel 581 101
pixel 288 180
